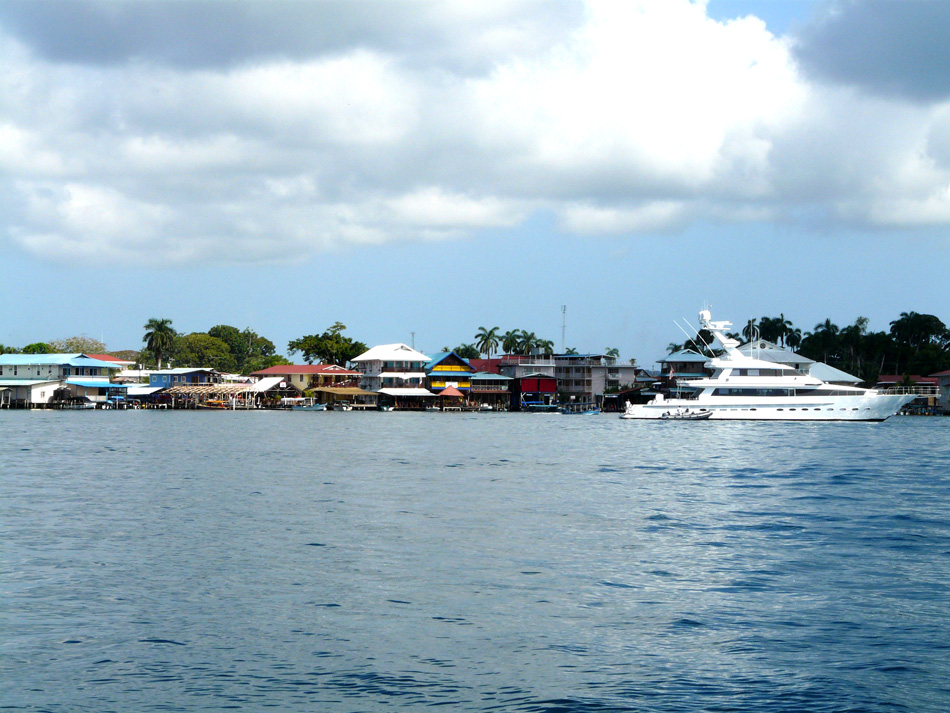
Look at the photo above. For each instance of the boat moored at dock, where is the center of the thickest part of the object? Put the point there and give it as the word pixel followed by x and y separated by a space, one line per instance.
pixel 745 388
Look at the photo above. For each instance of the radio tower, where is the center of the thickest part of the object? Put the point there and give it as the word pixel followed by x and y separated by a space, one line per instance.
pixel 563 328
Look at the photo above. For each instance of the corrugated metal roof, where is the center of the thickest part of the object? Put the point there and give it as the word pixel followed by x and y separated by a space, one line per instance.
pixel 406 392
pixel 27 382
pixel 684 355
pixel 392 352
pixel 305 369
pixel 93 384
pixel 55 360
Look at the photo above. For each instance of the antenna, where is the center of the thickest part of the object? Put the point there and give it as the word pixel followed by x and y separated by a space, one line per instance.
pixel 563 328
pixel 413 340
pixel 688 337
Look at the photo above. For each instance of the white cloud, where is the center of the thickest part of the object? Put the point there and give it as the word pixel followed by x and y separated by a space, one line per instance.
pixel 628 118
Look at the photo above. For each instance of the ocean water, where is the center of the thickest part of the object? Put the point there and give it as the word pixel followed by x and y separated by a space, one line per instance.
pixel 176 561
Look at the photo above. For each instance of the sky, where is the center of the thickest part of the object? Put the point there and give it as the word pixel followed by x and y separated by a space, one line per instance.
pixel 417 170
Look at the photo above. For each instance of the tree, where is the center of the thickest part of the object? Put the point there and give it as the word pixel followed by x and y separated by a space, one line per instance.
pixel 546 346
pixel 612 352
pixel 509 341
pixel 331 347
pixel 467 351
pixel 159 337
pixel 80 344
pixel 793 338
pixel 8 350
pixel 259 363
pixel 487 340
pixel 39 348
pixel 570 351
pixel 750 330
pixel 527 341
pixel 243 345
pixel 201 350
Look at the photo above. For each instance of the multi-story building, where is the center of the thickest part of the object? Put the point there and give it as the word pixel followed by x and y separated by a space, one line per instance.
pixel 395 370
pixel 31 379
pixel 449 369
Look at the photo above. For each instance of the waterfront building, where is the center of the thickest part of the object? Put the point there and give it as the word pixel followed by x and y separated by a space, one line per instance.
pixel 448 369
pixel 331 383
pixel 533 392
pixel 585 378
pixel 395 370
pixel 167 378
pixel 943 391
pixel 40 379
pixel 490 390
pixel 311 376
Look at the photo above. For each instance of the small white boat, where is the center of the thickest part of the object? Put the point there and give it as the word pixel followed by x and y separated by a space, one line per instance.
pixel 686 415
pixel 302 404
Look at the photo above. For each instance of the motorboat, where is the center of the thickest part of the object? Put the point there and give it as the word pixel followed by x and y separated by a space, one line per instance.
pixel 687 415
pixel 305 403
pixel 743 387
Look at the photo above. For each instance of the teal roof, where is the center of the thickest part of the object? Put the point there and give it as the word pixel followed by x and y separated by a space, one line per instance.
pixel 54 360
pixel 488 376
pixel 436 359
pixel 92 384
pixel 684 355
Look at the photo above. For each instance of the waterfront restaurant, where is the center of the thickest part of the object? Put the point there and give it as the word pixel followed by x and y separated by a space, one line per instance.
pixel 397 372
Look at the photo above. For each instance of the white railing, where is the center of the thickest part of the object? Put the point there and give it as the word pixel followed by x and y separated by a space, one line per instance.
pixel 926 390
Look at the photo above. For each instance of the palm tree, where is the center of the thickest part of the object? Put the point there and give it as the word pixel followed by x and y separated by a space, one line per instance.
pixel 750 331
pixel 612 352
pixel 487 340
pixel 785 326
pixel 509 341
pixel 159 337
pixel 793 338
pixel 546 346
pixel 527 341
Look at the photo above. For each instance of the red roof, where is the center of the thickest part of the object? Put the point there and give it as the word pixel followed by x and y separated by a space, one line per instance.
pixel 305 369
pixel 916 378
pixel 942 373
pixel 450 391
pixel 109 357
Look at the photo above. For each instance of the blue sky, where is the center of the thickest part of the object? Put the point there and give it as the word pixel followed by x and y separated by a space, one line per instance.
pixel 433 168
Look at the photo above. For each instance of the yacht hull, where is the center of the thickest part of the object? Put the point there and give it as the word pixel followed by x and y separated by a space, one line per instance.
pixel 869 407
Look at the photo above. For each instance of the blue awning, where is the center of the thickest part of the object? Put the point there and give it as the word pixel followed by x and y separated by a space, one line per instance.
pixel 91 384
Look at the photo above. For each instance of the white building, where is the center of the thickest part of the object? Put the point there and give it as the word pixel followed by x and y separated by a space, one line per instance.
pixel 31 379
pixel 396 370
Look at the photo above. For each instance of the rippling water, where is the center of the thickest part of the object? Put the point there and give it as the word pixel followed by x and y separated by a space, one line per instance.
pixel 485 562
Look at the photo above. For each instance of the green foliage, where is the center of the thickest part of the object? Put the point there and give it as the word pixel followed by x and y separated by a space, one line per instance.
pixel 159 338
pixel 39 348
pixel 331 347
pixel 8 350
pixel 467 351
pixel 201 350
pixel 80 344
pixel 260 363
pixel 244 346
pixel 487 341
pixel 509 341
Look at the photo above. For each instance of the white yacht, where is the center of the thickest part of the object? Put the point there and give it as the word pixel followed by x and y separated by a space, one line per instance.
pixel 743 387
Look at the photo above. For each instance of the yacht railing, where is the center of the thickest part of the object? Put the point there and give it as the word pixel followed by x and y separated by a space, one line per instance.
pixel 927 390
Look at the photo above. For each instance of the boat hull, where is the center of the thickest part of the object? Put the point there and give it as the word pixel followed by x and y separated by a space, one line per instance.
pixel 867 407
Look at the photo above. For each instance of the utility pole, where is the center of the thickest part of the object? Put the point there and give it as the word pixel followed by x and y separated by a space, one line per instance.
pixel 413 345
